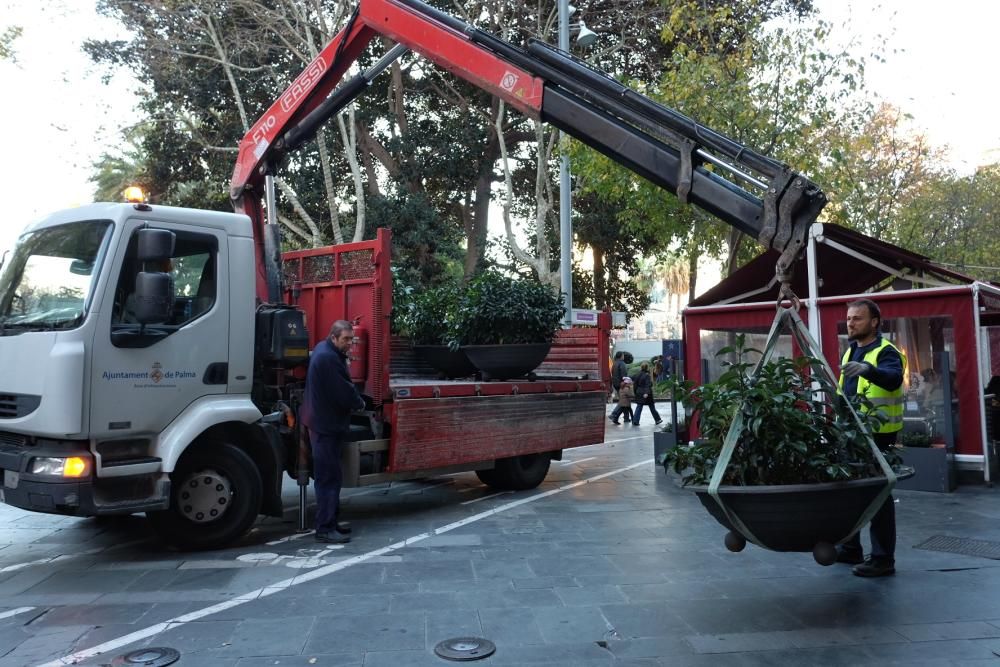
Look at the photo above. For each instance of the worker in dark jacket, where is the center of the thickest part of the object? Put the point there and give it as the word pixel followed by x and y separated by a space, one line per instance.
pixel 329 399
pixel 874 368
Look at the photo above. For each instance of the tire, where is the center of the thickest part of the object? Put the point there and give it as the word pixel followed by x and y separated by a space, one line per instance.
pixel 215 496
pixel 489 477
pixel 517 473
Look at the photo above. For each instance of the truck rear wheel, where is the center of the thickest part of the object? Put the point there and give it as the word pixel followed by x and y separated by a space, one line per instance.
pixel 517 473
pixel 215 496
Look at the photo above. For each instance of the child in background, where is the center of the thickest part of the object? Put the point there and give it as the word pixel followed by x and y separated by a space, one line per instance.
pixel 625 397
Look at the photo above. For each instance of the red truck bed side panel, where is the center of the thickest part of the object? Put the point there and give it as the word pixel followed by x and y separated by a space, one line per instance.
pixel 440 432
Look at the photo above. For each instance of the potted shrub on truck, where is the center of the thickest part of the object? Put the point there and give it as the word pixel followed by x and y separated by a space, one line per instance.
pixel 506 325
pixel 428 322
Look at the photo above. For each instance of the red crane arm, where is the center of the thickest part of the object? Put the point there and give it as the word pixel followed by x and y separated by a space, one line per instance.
pixel 434 40
pixel 761 197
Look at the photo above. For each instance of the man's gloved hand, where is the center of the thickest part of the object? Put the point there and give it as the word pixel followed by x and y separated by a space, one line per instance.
pixel 854 368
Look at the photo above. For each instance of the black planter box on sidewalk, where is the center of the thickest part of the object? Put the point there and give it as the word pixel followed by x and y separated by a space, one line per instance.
pixel 935 469
pixel 664 441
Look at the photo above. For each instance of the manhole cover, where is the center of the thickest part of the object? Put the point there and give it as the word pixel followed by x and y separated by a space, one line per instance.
pixel 465 648
pixel 148 657
pixel 963 546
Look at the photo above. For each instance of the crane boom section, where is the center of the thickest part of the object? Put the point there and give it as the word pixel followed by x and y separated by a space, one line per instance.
pixel 654 141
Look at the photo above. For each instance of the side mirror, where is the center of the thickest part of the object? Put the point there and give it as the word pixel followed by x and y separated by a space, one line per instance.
pixel 79 267
pixel 155 244
pixel 154 297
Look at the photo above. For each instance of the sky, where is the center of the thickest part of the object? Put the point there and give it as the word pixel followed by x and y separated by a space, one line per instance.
pixel 58 116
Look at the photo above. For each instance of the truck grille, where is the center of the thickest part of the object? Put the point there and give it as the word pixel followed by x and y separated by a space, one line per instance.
pixel 18 405
pixel 13 439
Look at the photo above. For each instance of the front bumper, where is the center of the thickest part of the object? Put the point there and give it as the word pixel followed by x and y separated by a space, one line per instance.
pixel 87 496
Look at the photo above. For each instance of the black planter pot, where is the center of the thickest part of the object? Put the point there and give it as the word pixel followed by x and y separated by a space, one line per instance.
pixel 450 363
pixel 796 517
pixel 503 362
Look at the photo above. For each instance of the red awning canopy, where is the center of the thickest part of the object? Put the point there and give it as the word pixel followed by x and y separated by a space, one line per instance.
pixel 847 263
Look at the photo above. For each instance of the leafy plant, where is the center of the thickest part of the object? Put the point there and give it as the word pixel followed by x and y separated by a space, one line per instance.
pixel 915 439
pixel 497 309
pixel 793 432
pixel 427 320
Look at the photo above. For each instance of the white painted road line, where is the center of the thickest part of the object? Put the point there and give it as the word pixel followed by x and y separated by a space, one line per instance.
pixel 145 633
pixel 492 495
pixel 570 462
pixel 634 437
pixel 289 538
pixel 14 612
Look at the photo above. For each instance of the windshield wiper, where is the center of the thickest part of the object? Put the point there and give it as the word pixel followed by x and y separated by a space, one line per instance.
pixel 22 327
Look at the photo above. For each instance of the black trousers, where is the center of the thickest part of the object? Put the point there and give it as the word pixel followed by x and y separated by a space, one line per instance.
pixel 328 476
pixel 638 412
pixel 883 525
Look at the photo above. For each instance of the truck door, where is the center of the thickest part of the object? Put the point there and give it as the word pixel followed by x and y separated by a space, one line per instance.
pixel 144 376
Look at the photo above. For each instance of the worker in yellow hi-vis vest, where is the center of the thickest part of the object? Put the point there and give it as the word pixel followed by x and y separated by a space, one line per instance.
pixel 873 367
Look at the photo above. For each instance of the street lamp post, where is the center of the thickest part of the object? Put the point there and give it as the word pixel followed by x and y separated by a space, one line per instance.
pixel 565 201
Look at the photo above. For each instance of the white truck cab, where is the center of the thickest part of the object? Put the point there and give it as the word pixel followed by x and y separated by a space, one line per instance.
pixel 96 408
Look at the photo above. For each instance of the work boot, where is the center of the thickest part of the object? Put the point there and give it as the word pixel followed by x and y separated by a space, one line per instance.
pixel 875 566
pixel 333 538
pixel 849 556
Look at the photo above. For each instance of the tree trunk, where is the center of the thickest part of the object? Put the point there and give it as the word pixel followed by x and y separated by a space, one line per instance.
pixel 600 287
pixel 735 241
pixel 477 222
pixel 692 273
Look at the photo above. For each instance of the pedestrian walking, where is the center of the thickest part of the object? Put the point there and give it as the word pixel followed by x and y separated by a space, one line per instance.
pixel 330 397
pixel 644 395
pixel 874 368
pixel 619 370
pixel 625 397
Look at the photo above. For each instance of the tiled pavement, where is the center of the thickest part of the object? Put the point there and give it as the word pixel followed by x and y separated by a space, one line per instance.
pixel 625 569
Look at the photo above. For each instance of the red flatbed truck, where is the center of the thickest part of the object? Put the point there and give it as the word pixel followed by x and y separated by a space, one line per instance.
pixel 422 425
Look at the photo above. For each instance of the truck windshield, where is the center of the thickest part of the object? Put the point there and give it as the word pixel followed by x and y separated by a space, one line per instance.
pixel 47 282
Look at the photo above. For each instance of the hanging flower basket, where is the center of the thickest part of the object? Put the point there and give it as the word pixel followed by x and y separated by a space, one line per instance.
pixel 784 462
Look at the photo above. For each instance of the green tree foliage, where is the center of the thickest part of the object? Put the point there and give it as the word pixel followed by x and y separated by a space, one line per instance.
pixel 7 37
pixel 773 88
pixel 876 170
pixel 211 68
pixel 954 220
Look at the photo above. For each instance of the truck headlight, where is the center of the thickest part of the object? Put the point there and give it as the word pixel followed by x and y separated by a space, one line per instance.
pixel 73 466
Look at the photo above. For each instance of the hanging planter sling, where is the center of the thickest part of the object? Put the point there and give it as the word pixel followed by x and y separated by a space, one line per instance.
pixel 795 517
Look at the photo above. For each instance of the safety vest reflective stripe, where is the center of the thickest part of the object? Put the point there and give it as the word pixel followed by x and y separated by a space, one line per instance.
pixel 883 401
pixel 888 403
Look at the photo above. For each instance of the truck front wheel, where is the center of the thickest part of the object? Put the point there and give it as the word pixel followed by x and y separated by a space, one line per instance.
pixel 517 473
pixel 215 496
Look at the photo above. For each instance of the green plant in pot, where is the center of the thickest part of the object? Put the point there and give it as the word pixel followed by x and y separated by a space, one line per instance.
pixel 428 323
pixel 792 434
pixel 506 325
pixel 802 470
